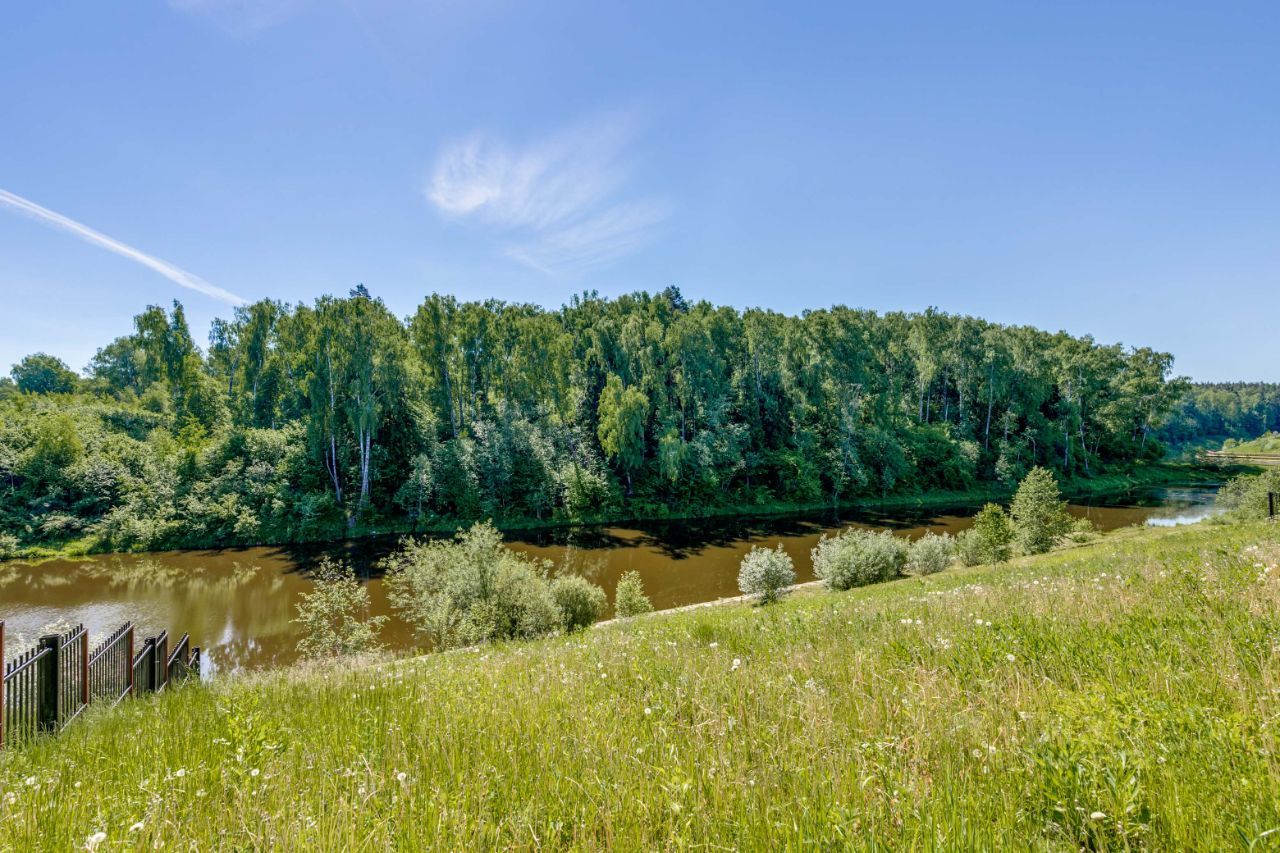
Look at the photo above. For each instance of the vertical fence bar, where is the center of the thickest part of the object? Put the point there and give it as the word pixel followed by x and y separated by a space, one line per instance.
pixel 132 686
pixel 4 673
pixel 50 697
pixel 84 667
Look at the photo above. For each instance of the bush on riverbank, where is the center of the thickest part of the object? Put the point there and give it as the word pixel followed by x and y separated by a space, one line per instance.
pixel 629 599
pixel 764 572
pixel 930 554
pixel 858 557
pixel 472 589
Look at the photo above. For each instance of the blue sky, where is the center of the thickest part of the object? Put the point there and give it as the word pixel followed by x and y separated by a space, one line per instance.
pixel 1109 168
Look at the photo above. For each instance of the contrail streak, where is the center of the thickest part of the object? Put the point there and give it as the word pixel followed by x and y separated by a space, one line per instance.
pixel 84 232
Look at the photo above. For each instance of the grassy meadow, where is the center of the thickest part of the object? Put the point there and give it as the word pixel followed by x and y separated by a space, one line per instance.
pixel 1119 695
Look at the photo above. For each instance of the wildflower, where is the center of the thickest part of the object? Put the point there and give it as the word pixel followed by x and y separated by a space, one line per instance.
pixel 180 772
pixel 92 842
pixel 1010 658
pixel 401 776
pixel 648 711
pixel 714 646
pixel 254 772
pixel 1098 816
pixel 136 827
pixel 31 781
pixel 737 662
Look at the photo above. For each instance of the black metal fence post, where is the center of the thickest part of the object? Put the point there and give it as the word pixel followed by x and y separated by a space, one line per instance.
pixel 50 696
pixel 1272 500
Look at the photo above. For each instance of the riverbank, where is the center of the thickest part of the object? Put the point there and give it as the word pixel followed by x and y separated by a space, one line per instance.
pixel 1140 477
pixel 1118 693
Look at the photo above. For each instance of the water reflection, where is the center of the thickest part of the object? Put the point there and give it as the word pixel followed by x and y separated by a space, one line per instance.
pixel 238 604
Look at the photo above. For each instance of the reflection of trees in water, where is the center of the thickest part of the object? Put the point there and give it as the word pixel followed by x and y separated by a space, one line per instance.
pixel 588 564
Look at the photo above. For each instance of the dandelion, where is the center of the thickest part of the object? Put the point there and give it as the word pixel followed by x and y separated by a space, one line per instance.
pixel 1010 658
pixel 136 827
pixel 180 772
pixel 254 772
pixel 714 646
pixel 648 711
pixel 737 662
pixel 31 781
pixel 92 842
pixel 401 776
pixel 1098 816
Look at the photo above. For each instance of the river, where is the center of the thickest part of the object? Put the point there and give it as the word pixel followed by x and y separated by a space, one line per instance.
pixel 238 604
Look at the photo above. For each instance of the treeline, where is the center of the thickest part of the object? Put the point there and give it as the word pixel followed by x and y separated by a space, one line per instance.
pixel 307 421
pixel 1211 412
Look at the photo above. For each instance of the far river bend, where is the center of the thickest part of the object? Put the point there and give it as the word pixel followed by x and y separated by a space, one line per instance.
pixel 237 603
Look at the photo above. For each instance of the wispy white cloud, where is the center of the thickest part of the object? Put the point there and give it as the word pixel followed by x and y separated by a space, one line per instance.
pixel 242 17
pixel 84 232
pixel 558 204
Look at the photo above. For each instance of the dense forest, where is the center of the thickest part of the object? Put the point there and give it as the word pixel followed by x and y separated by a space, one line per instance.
pixel 311 421
pixel 1209 413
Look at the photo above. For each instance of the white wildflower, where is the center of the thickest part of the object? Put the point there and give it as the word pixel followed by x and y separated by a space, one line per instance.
pixel 1098 816
pixel 737 662
pixel 136 827
pixel 92 842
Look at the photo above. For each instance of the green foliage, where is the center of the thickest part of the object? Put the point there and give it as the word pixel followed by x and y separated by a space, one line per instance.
pixel 334 617
pixel 989 540
pixel 930 554
pixel 581 602
pixel 1266 445
pixel 856 557
pixel 629 599
pixel 1038 512
pixel 336 418
pixel 471 590
pixel 1244 498
pixel 764 573
pixel 1209 412
pixel 43 374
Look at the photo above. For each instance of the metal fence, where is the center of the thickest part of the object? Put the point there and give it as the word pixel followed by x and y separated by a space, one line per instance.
pixel 45 687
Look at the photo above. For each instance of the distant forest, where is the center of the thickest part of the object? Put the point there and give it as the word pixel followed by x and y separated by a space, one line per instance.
pixel 301 422
pixel 1210 413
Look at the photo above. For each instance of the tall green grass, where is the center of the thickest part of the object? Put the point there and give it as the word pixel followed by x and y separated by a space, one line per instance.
pixel 1121 695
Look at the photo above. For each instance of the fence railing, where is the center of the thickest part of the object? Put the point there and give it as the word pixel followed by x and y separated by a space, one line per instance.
pixel 45 687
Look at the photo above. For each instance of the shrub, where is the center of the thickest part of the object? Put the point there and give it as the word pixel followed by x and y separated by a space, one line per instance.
pixel 764 573
pixel 1080 531
pixel 930 554
pixel 629 598
pixel 10 547
pixel 581 602
pixel 988 540
pixel 1244 498
pixel 858 557
pixel 471 590
pixel 1039 514
pixel 334 616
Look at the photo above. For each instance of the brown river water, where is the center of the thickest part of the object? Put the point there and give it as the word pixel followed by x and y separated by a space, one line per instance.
pixel 237 603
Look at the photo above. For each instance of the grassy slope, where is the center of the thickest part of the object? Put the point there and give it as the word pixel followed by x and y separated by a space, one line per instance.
pixel 1135 678
pixel 1267 444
